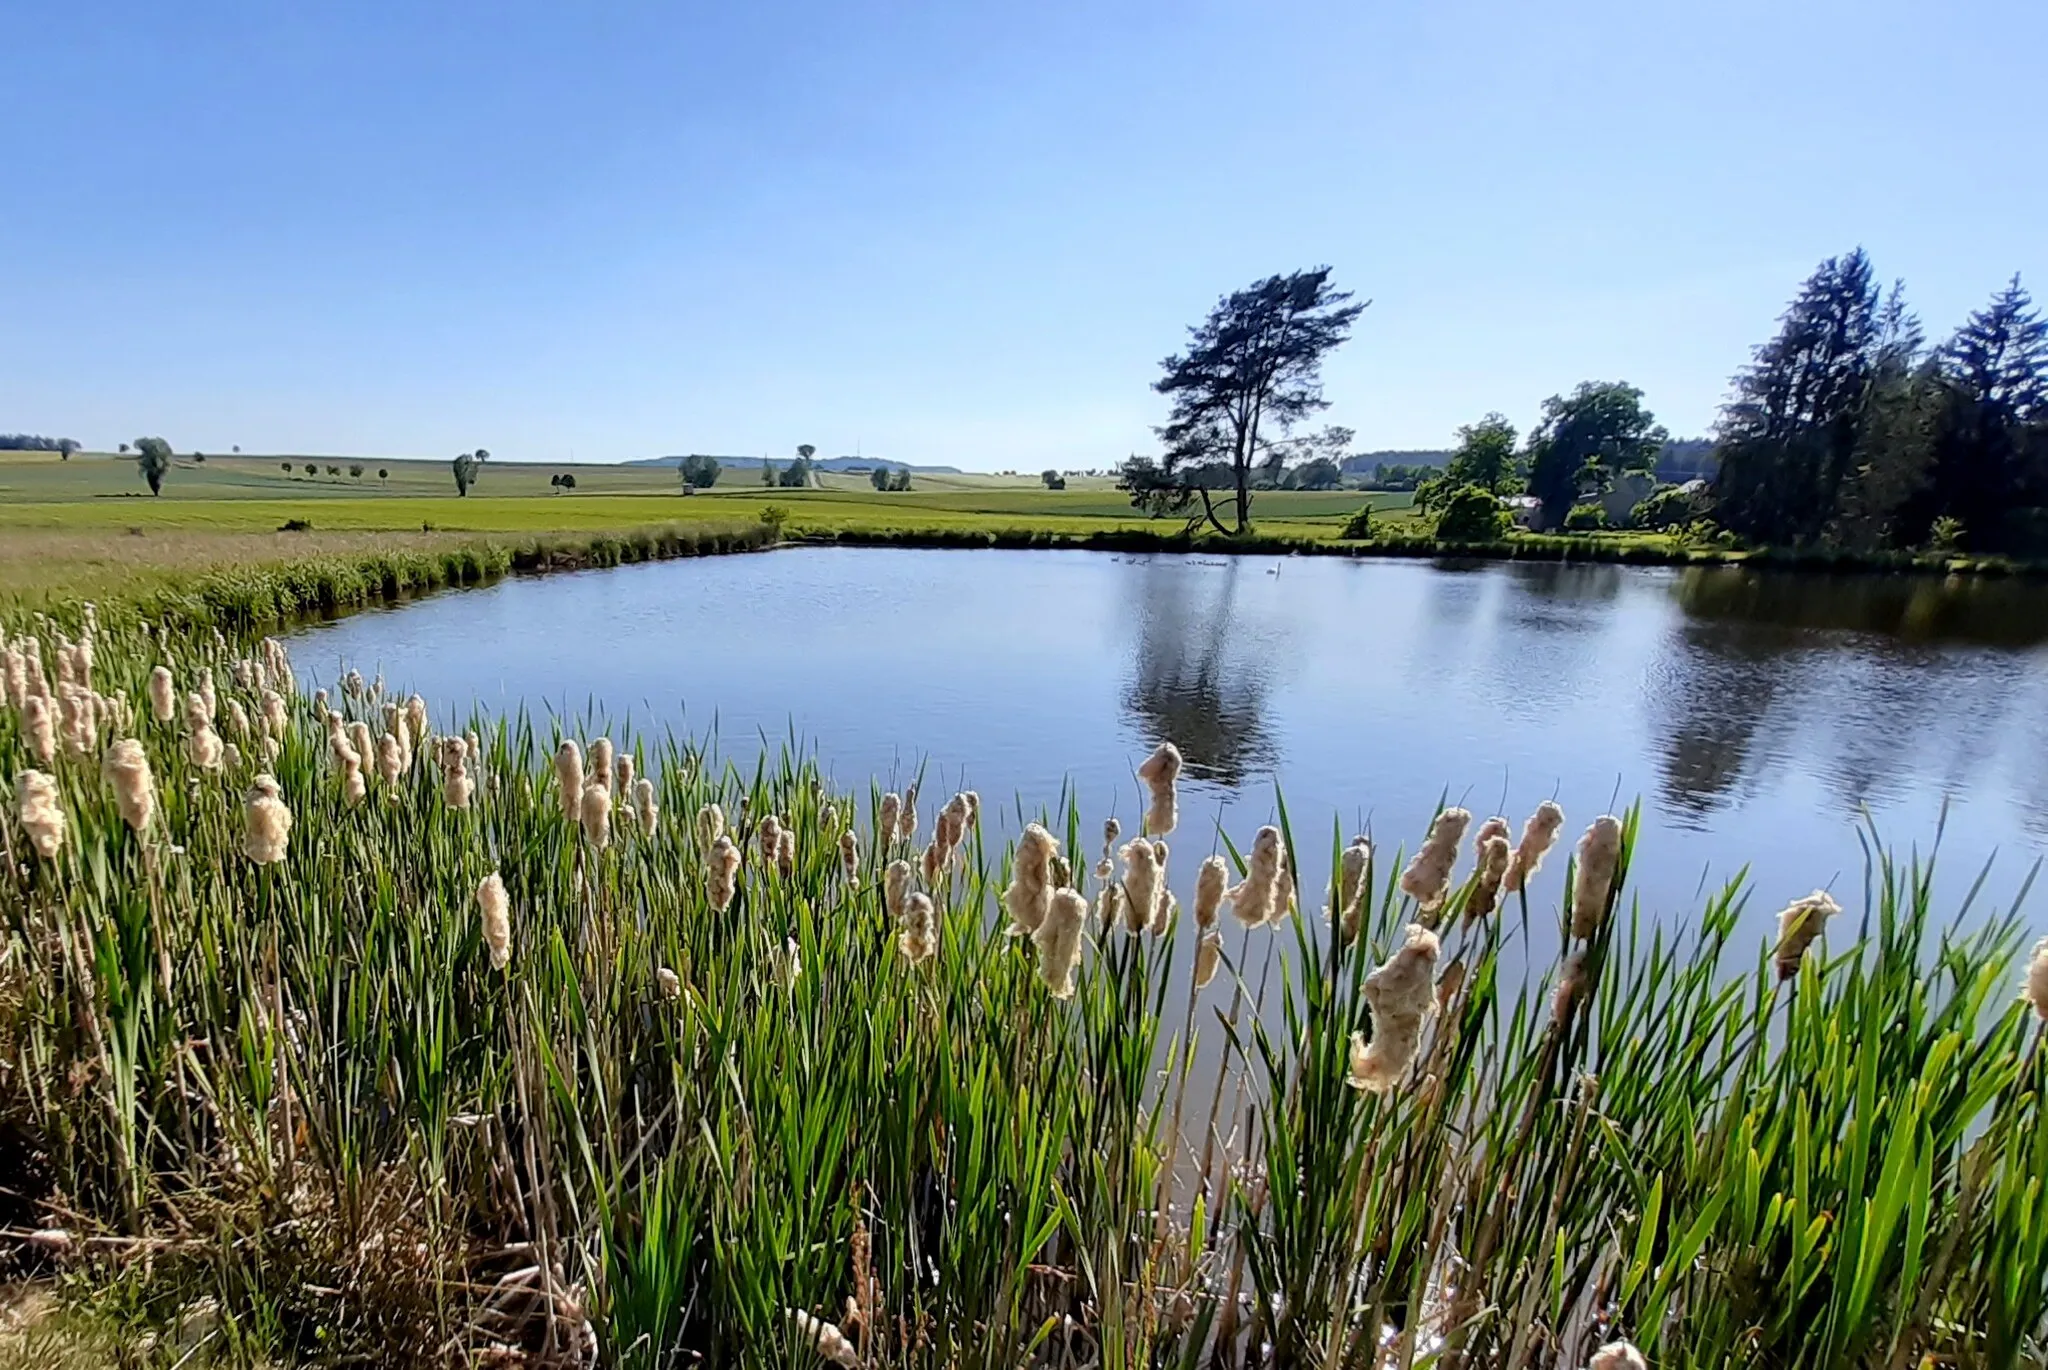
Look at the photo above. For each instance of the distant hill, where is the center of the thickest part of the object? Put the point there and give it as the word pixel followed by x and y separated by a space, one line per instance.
pixel 1362 463
pixel 822 463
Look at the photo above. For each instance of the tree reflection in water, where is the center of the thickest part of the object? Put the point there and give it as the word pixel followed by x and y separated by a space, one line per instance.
pixel 1200 674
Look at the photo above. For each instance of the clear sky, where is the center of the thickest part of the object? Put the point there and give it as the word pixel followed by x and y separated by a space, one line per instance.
pixel 957 232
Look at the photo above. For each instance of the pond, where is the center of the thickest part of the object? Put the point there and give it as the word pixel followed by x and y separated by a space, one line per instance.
pixel 1758 716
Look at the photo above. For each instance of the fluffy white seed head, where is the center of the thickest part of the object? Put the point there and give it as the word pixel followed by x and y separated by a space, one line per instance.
pixel 1208 955
pixel 1798 924
pixel 41 813
pixel 1263 896
pixel 1428 878
pixel 1144 884
pixel 825 1338
pixel 1161 772
pixel 601 754
pixel 710 825
pixel 1599 855
pixel 897 883
pixel 890 815
pixel 416 716
pixel 204 748
pixel 1539 834
pixel 786 964
pixel 770 837
pixel 238 718
pixel 352 786
pixel 906 819
pixel 276 720
pixel 723 878
pixel 497 918
pixel 644 807
pixel 595 814
pixel 919 940
pixel 1495 856
pixel 361 743
pixel 1058 938
pixel 126 768
pixel 669 983
pixel 625 765
pixel 390 760
pixel 266 822
pixel 1350 892
pixel 1618 1355
pixel 785 853
pixel 231 755
pixel 1031 878
pixel 1401 994
pixel 163 694
pixel 849 854
pixel 569 778
pixel 1210 882
pixel 39 728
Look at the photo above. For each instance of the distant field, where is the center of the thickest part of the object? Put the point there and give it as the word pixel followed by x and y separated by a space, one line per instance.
pixel 253 494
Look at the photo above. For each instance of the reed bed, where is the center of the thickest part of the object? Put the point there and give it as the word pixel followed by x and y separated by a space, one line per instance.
pixel 445 1054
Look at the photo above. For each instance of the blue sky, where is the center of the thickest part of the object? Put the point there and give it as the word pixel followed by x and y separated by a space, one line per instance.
pixel 952 232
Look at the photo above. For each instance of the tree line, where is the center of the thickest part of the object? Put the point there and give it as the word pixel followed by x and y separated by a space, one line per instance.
pixel 36 442
pixel 1845 429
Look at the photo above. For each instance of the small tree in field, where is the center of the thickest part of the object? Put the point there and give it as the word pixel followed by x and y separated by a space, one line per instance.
pixel 699 472
pixel 285 466
pixel 65 447
pixel 465 471
pixel 153 458
pixel 383 474
pixel 356 469
pixel 124 449
pixel 1053 479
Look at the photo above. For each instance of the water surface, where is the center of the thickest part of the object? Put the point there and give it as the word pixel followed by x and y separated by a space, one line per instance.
pixel 1759 716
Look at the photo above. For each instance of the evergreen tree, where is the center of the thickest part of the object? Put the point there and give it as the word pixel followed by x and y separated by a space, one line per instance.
pixel 1986 462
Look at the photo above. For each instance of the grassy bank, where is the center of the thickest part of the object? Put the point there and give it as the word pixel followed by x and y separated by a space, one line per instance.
pixel 295 1096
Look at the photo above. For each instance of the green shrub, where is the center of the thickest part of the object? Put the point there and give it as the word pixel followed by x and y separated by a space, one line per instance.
pixel 1586 518
pixel 1359 526
pixel 1471 514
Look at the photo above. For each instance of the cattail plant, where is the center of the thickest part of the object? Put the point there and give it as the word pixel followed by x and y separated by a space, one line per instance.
pixel 352 684
pixel 601 754
pixel 126 768
pixel 41 812
pixel 1599 855
pixel 390 763
pixel 209 699
pixel 1144 883
pixel 416 717
pixel 825 1338
pixel 1539 834
pixel 1348 896
pixel 785 854
pixel 1401 994
pixel 1058 939
pixel 890 816
pixel 769 835
pixel 276 720
pixel 625 767
pixel 849 854
pixel 238 718
pixel 897 883
pixel 496 910
pixel 1031 878
pixel 723 876
pixel 1798 924
pixel 595 814
pixel 668 983
pixel 919 940
pixel 266 822
pixel 1161 772
pixel 785 964
pixel 204 748
pixel 1262 897
pixel 2037 980
pixel 569 778
pixel 1495 857
pixel 362 743
pixel 906 821
pixel 1428 878
pixel 644 807
pixel 456 786
pixel 39 728
pixel 353 787
pixel 1618 1355
pixel 163 694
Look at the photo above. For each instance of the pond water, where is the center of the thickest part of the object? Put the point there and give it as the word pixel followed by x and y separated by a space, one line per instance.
pixel 1758 716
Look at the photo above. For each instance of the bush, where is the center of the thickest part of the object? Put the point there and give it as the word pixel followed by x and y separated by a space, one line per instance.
pixel 1586 518
pixel 1946 537
pixel 1470 514
pixel 296 526
pixel 1669 507
pixel 774 516
pixel 1359 525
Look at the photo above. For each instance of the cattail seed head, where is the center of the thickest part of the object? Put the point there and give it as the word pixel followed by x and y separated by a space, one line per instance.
pixel 352 787
pixel 890 815
pixel 1262 898
pixel 1618 1355
pixel 770 837
pixel 266 822
pixel 919 940
pixel 41 814
pixel 849 854
pixel 276 721
pixel 710 825
pixel 1493 827
pixel 724 863
pixel 230 755
pixel 1571 983
pixel 644 806
pixel 126 768
pixel 1058 939
pixel 163 694
pixel 1208 955
pixel 416 717
pixel 1599 855
pixel 205 749
pixel 39 728
pixel 390 761
pixel 670 985
pixel 1144 884
pixel 625 764
pixel 1210 883
pixel 1494 858
pixel 1538 836
pixel 897 883
pixel 1031 878
pixel 1428 878
pixel 352 683
pixel 208 698
pixel 601 754
pixel 825 1338
pixel 456 786
pixel 786 964
pixel 1401 996
pixel 569 778
pixel 361 743
pixel 2037 980
pixel 785 854
pixel 595 814
pixel 238 718
pixel 1798 924
pixel 497 918
pixel 906 820
pixel 1161 772
pixel 1350 891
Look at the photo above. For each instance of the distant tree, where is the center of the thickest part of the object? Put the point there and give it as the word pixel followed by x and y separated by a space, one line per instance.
pixel 1254 365
pixel 1317 473
pixel 767 472
pixel 1600 430
pixel 1314 461
pixel 1485 456
pixel 1995 371
pixel 1670 506
pixel 1585 518
pixel 1472 513
pixel 899 479
pixel 199 456
pixel 383 473
pixel 700 472
pixel 65 447
pixel 483 454
pixel 797 475
pixel 236 449
pixel 879 478
pixel 334 470
pixel 124 449
pixel 286 467
pixel 355 468
pixel 806 451
pixel 567 480
pixel 153 458
pixel 1053 479
pixel 465 471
